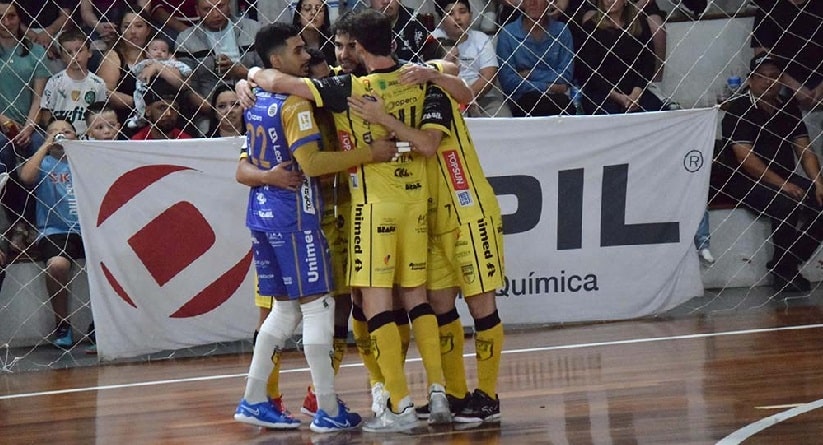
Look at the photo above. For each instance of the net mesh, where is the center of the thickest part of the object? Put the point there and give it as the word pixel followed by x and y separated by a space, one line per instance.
pixel 685 53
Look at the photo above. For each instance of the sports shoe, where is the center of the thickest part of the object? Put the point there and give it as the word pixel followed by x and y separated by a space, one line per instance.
pixel 309 407
pixel 706 256
pixel 455 405
pixel 439 410
pixel 389 422
pixel 63 338
pixel 343 421
pixel 481 408
pixel 379 398
pixel 266 414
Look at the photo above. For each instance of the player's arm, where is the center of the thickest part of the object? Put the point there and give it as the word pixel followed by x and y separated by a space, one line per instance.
pixel 373 110
pixel 275 81
pixel 447 79
pixel 279 176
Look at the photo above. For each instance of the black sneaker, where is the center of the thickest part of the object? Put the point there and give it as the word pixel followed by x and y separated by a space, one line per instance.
pixel 798 284
pixel 481 408
pixel 456 405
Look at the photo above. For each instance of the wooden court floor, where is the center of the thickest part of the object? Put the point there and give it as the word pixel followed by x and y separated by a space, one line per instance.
pixel 749 375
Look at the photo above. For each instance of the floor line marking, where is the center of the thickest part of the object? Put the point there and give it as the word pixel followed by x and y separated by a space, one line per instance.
pixel 351 365
pixel 751 429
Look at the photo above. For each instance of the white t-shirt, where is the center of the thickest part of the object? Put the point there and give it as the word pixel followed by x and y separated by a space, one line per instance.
pixel 224 42
pixel 68 99
pixel 476 53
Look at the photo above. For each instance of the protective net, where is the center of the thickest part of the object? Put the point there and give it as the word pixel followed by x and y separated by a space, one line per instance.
pixel 521 59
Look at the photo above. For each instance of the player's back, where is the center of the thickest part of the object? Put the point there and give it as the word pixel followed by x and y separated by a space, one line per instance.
pixel 276 126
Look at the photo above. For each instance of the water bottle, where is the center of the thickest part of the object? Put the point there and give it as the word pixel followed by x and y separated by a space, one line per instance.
pixel 577 99
pixel 733 84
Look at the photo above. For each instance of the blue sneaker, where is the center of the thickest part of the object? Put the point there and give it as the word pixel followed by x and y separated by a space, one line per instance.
pixel 265 414
pixel 63 338
pixel 324 423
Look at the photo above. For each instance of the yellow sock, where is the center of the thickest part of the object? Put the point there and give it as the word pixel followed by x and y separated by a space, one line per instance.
pixel 401 318
pixel 488 342
pixel 451 354
pixel 273 384
pixel 427 339
pixel 360 330
pixel 339 345
pixel 386 349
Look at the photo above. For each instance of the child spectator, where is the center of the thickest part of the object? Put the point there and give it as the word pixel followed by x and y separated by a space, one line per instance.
pixel 59 242
pixel 162 114
pixel 160 62
pixel 69 92
pixel 102 123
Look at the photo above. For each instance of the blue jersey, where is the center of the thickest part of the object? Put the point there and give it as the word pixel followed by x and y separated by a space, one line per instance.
pixel 56 203
pixel 276 126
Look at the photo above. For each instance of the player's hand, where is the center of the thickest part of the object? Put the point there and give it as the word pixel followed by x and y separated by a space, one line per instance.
pixel 416 74
pixel 383 150
pixel 370 108
pixel 281 176
pixel 245 95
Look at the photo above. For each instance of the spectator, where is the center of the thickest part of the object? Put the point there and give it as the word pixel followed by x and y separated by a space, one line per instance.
pixel 69 92
pixel 159 64
pixel 134 30
pixel 472 51
pixel 59 242
pixel 535 57
pixel 763 134
pixel 174 16
pixel 5 228
pixel 312 19
pixel 218 47
pixel 228 114
pixel 617 61
pixel 24 73
pixel 163 116
pixel 44 21
pixel 99 21
pixel 102 123
pixel 702 240
pixel 412 39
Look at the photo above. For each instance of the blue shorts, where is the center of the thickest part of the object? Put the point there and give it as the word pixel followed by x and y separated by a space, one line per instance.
pixel 292 264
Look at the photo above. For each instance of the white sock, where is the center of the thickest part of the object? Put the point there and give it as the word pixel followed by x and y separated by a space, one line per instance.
pixel 277 328
pixel 318 322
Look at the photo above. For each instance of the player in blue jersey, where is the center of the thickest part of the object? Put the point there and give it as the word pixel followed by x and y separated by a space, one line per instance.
pixel 290 250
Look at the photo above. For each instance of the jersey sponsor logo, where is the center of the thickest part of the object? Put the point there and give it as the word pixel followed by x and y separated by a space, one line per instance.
pixel 90 97
pixel 346 144
pixel 308 197
pixel 414 186
pixel 358 230
pixel 464 198
pixel 401 103
pixel 468 273
pixel 386 229
pixel 401 172
pixel 312 272
pixel 417 266
pixel 304 120
pixel 484 239
pixel 272 110
pixel 432 116
pixel 265 214
pixel 457 173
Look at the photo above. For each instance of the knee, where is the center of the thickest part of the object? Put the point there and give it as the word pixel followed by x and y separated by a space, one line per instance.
pixel 482 305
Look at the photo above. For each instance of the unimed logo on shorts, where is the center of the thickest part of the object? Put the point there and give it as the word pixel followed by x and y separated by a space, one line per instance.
pixel 169 243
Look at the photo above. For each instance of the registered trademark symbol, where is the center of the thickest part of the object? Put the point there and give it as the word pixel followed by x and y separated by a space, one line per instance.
pixel 693 161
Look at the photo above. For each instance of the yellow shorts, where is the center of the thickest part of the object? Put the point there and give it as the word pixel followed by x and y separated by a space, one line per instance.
pixel 469 257
pixel 337 234
pixel 387 244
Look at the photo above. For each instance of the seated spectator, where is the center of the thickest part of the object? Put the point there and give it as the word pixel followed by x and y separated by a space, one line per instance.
pixel 102 123
pixel 163 116
pixel 134 31
pixel 412 39
pixel 764 134
pixel 59 241
pixel 99 21
pixel 173 17
pixel 535 57
pixel 159 64
pixel 69 92
pixel 218 47
pixel 616 62
pixel 312 19
pixel 228 114
pixel 472 51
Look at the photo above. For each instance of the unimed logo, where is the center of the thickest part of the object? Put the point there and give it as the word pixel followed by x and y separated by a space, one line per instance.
pixel 169 243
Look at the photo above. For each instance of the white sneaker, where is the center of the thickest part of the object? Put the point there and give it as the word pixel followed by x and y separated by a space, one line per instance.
pixel 706 256
pixel 439 410
pixel 379 398
pixel 389 422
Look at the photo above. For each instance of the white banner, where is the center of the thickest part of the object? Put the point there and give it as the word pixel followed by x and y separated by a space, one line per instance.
pixel 168 253
pixel 599 211
pixel 599 215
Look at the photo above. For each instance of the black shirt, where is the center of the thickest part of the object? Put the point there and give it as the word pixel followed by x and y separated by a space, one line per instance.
pixel 770 135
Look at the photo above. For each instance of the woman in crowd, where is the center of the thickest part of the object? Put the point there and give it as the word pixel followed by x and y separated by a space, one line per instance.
pixel 617 61
pixel 228 114
pixel 312 19
pixel 116 69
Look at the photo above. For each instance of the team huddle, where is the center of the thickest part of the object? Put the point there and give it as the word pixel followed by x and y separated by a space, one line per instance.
pixel 367 200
